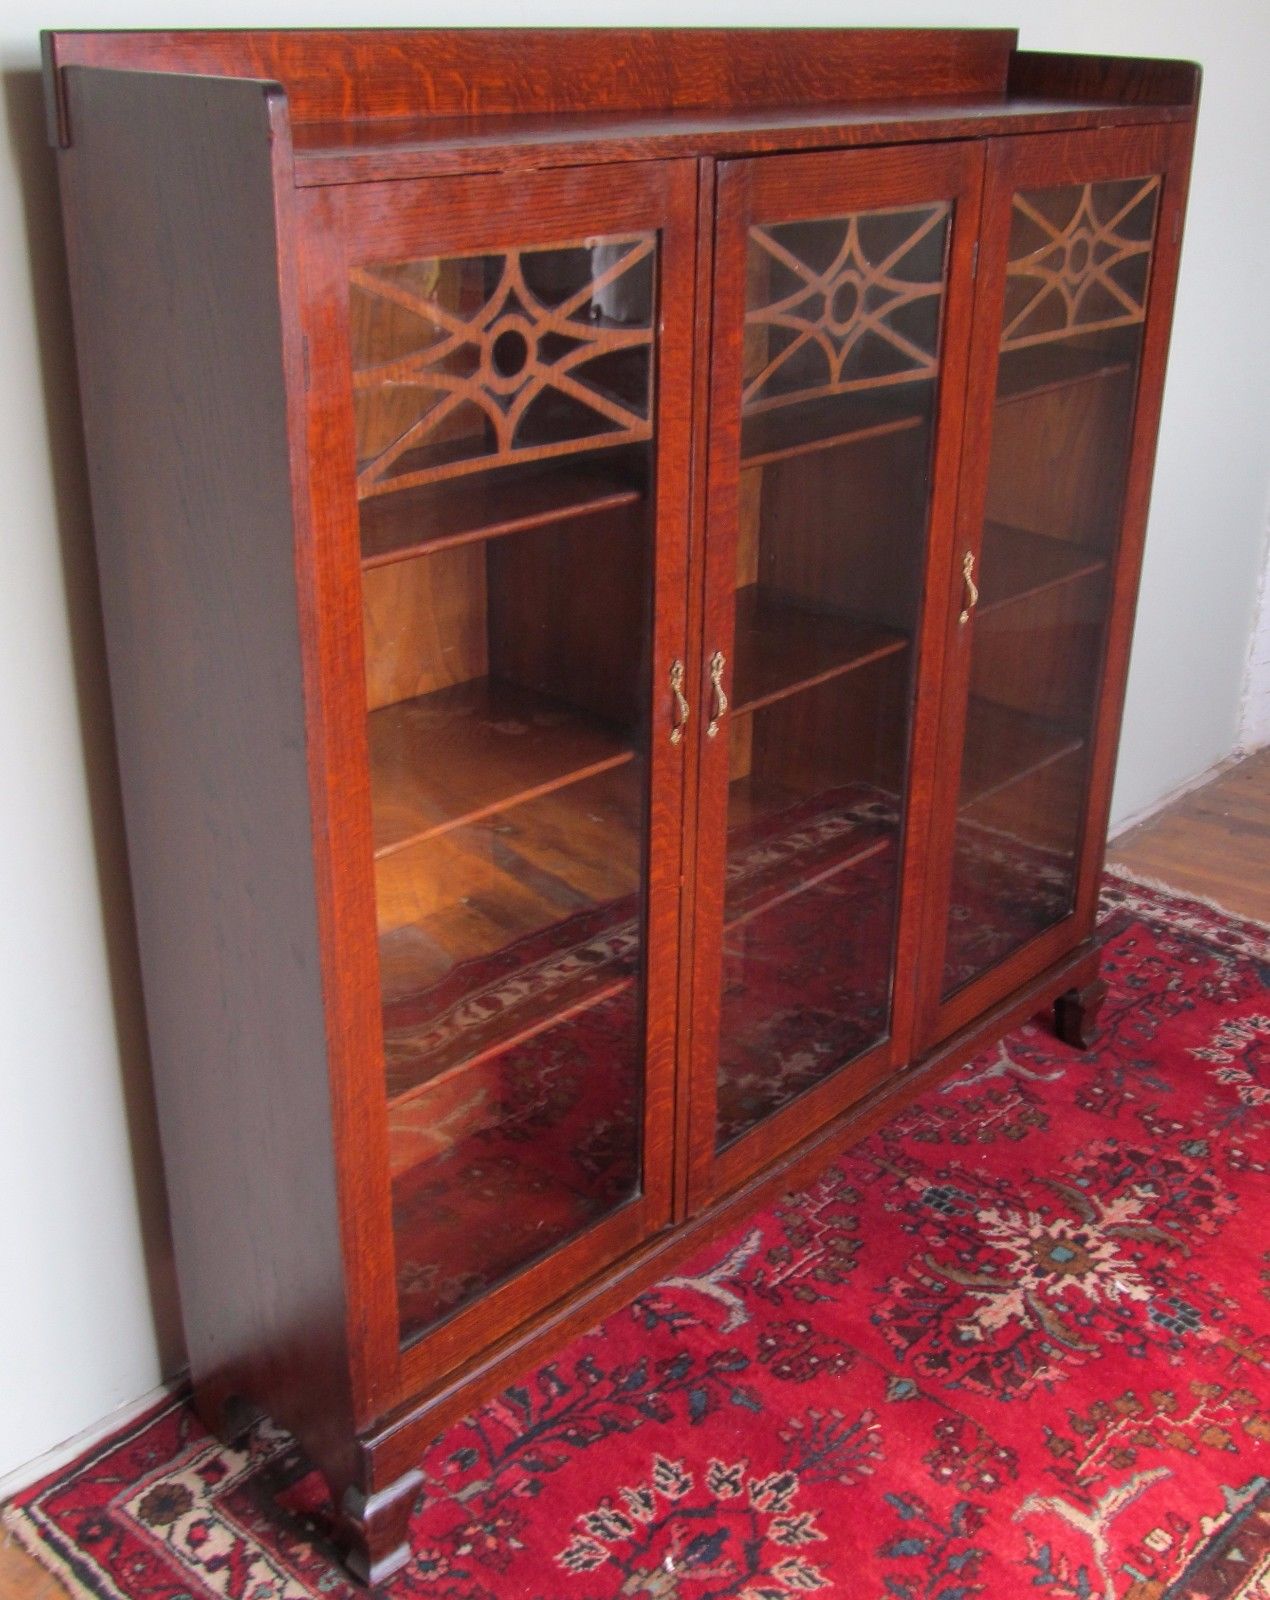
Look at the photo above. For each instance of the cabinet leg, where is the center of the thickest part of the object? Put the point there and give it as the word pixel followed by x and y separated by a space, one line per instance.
pixel 373 1528
pixel 226 1415
pixel 1076 1014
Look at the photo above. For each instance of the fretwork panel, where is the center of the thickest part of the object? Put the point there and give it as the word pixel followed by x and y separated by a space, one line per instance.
pixel 466 363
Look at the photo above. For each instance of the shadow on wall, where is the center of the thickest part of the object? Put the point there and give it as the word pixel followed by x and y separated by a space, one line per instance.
pixel 37 176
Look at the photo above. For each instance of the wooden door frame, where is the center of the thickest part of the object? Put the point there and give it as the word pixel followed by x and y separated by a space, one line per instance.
pixel 775 189
pixel 1034 161
pixel 422 217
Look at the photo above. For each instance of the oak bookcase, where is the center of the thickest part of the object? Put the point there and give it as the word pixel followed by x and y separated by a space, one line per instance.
pixel 618 552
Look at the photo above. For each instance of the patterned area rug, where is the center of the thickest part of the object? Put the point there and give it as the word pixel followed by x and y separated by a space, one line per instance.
pixel 1013 1344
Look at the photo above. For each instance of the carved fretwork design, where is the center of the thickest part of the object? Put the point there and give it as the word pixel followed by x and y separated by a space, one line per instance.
pixel 461 364
pixel 1079 260
pixel 843 304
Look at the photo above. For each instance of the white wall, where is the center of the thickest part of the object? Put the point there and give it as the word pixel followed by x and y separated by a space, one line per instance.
pixel 1254 721
pixel 86 1298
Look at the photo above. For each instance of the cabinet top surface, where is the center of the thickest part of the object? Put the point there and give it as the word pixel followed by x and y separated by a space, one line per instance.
pixel 369 103
pixel 327 153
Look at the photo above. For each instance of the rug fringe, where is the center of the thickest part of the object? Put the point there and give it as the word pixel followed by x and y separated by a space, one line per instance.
pixel 1171 890
pixel 22 1529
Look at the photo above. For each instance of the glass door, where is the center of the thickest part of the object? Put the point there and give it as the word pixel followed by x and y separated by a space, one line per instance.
pixel 846 278
pixel 1042 579
pixel 513 353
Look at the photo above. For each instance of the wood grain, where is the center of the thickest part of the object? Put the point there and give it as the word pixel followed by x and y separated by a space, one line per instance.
pixel 372 152
pixel 1069 458
pixel 854 725
pixel 245 585
pixel 1214 842
pixel 22 1577
pixel 391 73
pixel 185 371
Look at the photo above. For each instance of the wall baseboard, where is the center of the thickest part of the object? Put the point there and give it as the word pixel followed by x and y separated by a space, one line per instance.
pixel 61 1454
pixel 1144 814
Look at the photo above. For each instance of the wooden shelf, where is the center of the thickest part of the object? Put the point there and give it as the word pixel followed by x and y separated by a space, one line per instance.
pixel 1038 368
pixel 828 863
pixel 781 647
pixel 411 1082
pixel 438 516
pixel 447 758
pixel 492 933
pixel 763 816
pixel 1004 746
pixel 1017 562
pixel 820 424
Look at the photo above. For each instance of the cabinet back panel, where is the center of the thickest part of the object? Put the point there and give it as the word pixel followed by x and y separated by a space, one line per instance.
pixel 848 730
pixel 588 654
pixel 425 624
pixel 1058 460
pixel 840 526
pixel 1043 654
pixel 446 72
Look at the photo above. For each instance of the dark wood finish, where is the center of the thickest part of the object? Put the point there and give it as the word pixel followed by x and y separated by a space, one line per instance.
pixel 372 151
pixel 408 524
pixel 820 425
pixel 491 744
pixel 1018 563
pixel 1112 80
pixel 205 505
pixel 1076 1014
pixel 771 192
pixel 351 75
pixel 485 215
pixel 279 630
pixel 371 1529
pixel 1058 413
pixel 1026 374
pixel 1006 745
pixel 788 647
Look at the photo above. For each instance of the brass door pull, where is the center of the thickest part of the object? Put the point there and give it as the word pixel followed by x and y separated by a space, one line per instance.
pixel 681 711
pixel 971 597
pixel 717 664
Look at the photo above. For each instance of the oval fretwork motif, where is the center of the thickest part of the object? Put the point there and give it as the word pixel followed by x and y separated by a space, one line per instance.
pixel 463 363
pixel 843 303
pixel 1079 259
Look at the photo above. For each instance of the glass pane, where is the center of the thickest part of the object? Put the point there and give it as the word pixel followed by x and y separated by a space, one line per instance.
pixel 503 407
pixel 842 334
pixel 1070 344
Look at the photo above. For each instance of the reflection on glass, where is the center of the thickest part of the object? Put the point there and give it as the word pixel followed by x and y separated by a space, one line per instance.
pixel 842 335
pixel 503 407
pixel 1071 338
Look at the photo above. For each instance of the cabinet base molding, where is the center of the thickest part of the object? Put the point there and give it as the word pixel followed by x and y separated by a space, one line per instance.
pixel 372 1528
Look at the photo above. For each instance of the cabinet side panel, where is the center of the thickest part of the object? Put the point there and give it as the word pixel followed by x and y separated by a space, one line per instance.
pixel 169 201
pixel 1114 79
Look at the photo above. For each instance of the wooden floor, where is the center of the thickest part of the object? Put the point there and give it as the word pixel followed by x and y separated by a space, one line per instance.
pixel 21 1578
pixel 1213 842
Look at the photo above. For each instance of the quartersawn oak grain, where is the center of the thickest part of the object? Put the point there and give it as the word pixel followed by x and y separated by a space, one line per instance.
pixel 218 187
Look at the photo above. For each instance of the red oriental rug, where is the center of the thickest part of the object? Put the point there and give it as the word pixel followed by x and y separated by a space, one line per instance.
pixel 1012 1345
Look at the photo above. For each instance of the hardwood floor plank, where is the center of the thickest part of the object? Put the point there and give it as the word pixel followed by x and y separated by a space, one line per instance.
pixel 1214 842
pixel 22 1577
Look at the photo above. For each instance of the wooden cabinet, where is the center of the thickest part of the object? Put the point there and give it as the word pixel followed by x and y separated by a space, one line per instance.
pixel 618 554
